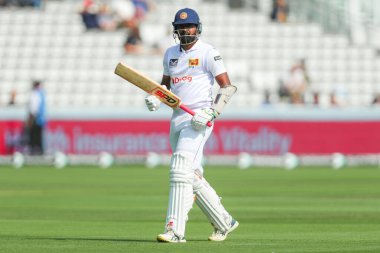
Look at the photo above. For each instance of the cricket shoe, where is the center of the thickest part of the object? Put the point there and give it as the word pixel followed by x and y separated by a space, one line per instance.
pixel 219 235
pixel 170 237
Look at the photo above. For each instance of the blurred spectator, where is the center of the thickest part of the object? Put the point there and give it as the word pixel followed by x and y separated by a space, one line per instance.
pixel 376 100
pixel 12 98
pixel 333 100
pixel 36 119
pixel 315 98
pixel 338 97
pixel 37 3
pixel 34 3
pixel 21 3
pixel 89 13
pixel 295 84
pixel 142 7
pixel 106 20
pixel 267 100
pixel 124 10
pixel 280 11
pixel 126 13
pixel 117 14
pixel 132 13
pixel 98 16
pixel 133 43
pixel 236 4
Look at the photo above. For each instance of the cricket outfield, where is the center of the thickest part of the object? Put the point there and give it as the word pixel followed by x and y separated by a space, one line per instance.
pixel 122 209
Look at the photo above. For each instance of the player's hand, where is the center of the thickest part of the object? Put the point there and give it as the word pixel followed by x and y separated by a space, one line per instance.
pixel 152 102
pixel 201 118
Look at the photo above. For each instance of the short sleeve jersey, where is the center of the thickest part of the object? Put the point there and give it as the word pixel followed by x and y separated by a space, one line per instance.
pixel 193 72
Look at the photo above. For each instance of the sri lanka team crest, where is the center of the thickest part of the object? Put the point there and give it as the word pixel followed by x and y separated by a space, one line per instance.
pixel 193 62
pixel 183 15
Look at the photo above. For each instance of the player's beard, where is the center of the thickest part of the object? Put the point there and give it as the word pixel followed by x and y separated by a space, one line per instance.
pixel 185 38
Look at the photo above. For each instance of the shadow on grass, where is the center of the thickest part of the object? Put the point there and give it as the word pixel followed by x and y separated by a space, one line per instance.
pixel 99 239
pixel 90 239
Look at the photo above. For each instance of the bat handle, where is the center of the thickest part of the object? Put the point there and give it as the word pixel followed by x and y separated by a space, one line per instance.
pixel 191 112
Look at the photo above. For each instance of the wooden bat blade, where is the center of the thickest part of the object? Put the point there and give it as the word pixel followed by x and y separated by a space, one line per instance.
pixel 152 87
pixel 147 84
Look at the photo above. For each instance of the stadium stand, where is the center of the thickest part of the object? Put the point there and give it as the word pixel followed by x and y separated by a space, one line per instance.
pixel 77 66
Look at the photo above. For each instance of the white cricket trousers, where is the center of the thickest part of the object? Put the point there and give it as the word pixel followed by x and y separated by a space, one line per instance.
pixel 186 178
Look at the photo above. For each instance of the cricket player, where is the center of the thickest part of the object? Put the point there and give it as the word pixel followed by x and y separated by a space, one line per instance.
pixel 190 69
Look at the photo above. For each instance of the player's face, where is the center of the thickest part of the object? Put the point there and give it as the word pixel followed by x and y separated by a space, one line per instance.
pixel 187 29
pixel 187 33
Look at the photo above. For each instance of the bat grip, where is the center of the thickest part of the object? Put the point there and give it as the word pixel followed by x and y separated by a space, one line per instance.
pixel 191 112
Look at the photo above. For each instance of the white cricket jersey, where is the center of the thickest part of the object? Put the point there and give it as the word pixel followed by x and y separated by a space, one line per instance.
pixel 193 73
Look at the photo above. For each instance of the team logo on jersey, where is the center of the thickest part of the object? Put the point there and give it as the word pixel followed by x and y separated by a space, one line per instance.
pixel 183 15
pixel 217 58
pixel 193 62
pixel 173 62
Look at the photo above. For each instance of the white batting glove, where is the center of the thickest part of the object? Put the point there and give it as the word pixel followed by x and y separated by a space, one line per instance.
pixel 152 102
pixel 201 118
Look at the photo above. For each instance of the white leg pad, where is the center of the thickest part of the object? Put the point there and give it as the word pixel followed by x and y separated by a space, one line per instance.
pixel 209 202
pixel 181 193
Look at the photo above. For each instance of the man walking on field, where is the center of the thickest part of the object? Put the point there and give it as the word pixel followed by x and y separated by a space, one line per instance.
pixel 190 69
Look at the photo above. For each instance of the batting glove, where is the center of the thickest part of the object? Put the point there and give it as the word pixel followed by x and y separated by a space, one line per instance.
pixel 201 118
pixel 152 102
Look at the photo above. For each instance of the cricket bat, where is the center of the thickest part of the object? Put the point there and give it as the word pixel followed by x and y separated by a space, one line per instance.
pixel 152 87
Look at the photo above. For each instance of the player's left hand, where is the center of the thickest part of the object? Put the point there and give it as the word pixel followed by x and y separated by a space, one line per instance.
pixel 201 118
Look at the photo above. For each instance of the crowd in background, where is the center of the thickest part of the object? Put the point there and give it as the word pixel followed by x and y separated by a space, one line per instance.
pixel 21 3
pixel 280 11
pixel 107 16
pixel 117 14
pixel 12 99
pixel 297 83
pixel 293 86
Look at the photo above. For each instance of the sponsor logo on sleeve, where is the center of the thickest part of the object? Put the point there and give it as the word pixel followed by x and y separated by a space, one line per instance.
pixel 193 62
pixel 217 58
pixel 173 62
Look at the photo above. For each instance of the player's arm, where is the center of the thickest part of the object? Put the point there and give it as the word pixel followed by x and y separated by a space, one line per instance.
pixel 216 67
pixel 223 80
pixel 166 81
pixel 226 91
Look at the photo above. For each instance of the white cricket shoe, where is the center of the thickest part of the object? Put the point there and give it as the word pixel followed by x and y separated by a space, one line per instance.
pixel 219 235
pixel 170 237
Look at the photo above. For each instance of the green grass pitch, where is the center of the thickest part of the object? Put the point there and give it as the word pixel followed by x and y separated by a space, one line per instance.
pixel 122 209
